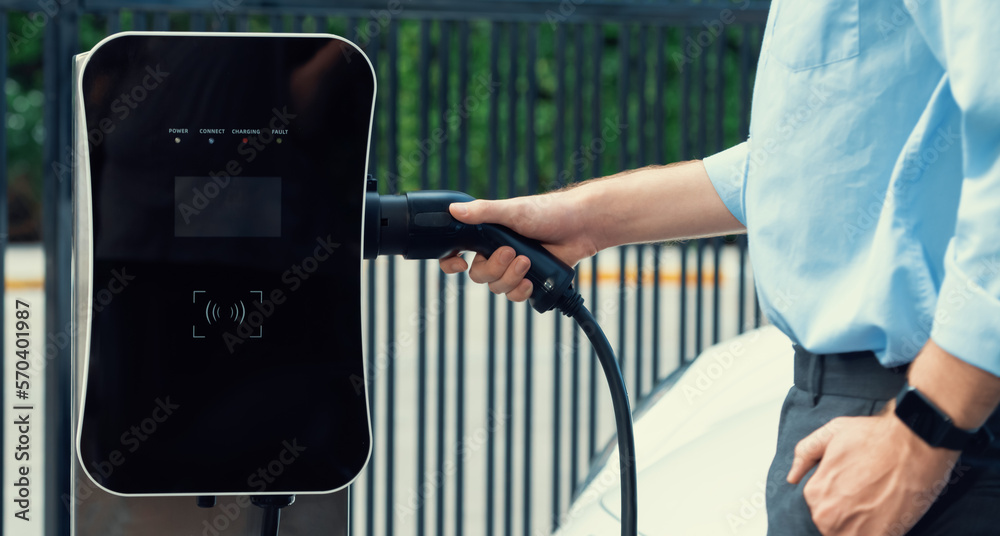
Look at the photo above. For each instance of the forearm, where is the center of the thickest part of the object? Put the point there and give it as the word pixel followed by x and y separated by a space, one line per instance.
pixel 652 204
pixel 965 393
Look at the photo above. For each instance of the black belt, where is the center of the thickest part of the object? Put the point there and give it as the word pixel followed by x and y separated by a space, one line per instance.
pixel 855 374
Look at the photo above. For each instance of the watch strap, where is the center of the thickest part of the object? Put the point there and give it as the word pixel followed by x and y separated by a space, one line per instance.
pixel 934 426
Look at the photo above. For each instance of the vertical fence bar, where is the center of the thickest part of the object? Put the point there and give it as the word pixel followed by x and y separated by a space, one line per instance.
pixel 741 316
pixel 717 243
pixel 242 21
pixel 685 151
pixel 532 187
pixel 756 300
pixel 685 69
pixel 443 49
pixel 597 42
pixel 701 148
pixel 59 43
pixel 699 289
pixel 372 50
pixel 511 188
pixel 640 249
pixel 745 82
pixel 560 149
pixel 655 328
pixel 197 22
pixel 392 131
pixel 641 66
pixel 624 58
pixel 756 309
pixel 741 242
pixel 637 352
pixel 658 119
pixel 352 504
pixel 370 476
pixel 719 92
pixel 4 240
pixel 574 434
pixel 463 186
pixel 491 345
pixel 425 82
pixel 113 22
pixel 702 141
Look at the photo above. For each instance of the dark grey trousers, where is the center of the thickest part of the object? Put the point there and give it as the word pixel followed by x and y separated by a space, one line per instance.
pixel 854 385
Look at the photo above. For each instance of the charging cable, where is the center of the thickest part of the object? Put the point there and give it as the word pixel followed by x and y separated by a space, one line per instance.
pixel 623 422
pixel 623 414
pixel 272 505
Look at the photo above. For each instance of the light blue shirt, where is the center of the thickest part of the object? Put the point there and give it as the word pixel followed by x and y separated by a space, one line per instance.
pixel 870 184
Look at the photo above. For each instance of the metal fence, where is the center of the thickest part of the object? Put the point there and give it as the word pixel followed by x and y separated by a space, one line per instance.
pixel 499 98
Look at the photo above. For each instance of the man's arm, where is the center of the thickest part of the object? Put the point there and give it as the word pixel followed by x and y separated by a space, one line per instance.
pixel 650 204
pixel 965 393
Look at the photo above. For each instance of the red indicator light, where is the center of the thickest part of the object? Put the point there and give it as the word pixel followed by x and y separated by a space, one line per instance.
pixel 245 140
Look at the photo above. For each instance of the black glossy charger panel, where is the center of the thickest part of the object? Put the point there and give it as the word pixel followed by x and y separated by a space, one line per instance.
pixel 227 177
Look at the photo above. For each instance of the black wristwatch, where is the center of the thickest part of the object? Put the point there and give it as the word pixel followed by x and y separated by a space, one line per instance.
pixel 934 426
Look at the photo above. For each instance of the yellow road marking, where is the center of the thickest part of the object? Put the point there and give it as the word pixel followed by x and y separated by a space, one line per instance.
pixel 24 284
pixel 672 277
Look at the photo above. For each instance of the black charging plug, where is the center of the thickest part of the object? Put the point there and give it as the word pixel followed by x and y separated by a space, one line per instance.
pixel 418 225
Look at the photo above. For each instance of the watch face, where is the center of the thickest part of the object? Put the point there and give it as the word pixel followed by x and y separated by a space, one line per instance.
pixel 921 417
pixel 227 178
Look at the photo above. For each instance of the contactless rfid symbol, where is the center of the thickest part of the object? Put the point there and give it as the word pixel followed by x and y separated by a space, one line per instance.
pixel 236 312
pixel 231 313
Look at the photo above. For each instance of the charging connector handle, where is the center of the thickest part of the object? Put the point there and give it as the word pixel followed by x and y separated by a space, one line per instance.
pixel 418 225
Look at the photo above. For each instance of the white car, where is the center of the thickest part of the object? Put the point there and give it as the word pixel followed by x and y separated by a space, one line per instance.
pixel 704 440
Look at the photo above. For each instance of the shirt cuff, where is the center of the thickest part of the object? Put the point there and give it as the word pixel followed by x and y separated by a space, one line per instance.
pixel 727 170
pixel 965 322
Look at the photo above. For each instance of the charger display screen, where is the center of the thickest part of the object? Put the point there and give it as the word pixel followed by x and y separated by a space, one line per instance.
pixel 227 207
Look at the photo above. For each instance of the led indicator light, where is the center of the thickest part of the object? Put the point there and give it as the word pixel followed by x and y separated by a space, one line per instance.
pixel 177 140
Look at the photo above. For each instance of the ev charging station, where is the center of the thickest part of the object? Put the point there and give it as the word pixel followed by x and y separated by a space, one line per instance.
pixel 222 211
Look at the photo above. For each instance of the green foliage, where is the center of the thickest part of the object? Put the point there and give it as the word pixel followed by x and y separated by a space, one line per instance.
pixel 24 128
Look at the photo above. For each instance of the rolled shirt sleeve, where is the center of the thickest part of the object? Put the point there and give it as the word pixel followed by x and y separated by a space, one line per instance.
pixel 961 34
pixel 967 319
pixel 727 170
